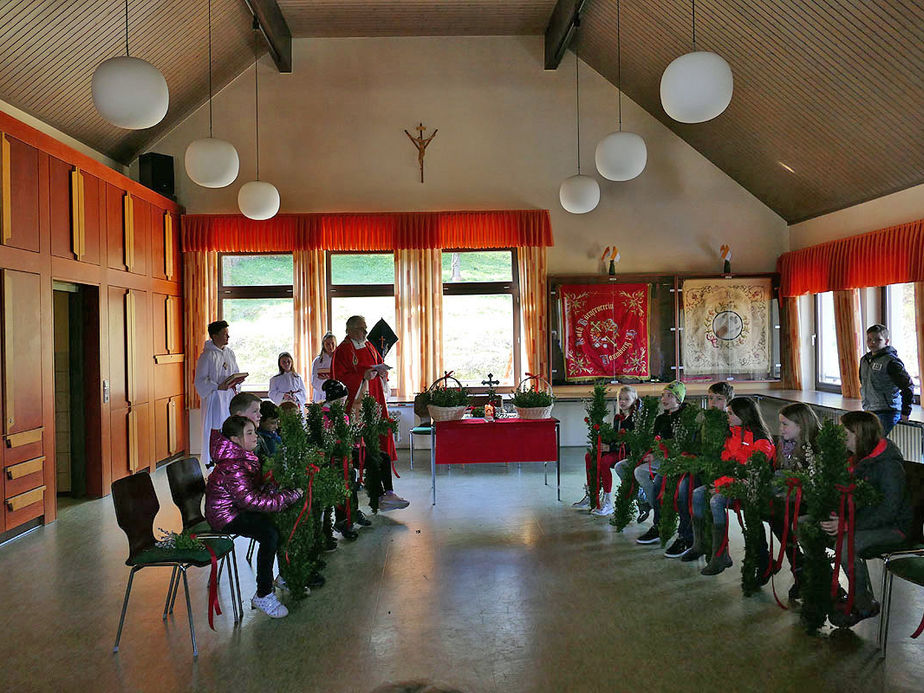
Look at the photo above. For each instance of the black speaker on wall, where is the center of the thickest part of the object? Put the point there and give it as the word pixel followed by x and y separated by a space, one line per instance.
pixel 156 173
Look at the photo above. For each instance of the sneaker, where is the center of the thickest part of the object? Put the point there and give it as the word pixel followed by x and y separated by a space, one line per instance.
pixel 603 511
pixel 652 536
pixel 392 501
pixel 582 504
pixel 678 548
pixel 690 555
pixel 316 580
pixel 330 544
pixel 361 520
pixel 795 593
pixel 280 584
pixel 643 514
pixel 346 531
pixel 269 605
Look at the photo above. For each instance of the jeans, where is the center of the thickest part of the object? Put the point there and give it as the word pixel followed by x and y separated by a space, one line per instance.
pixel 717 504
pixel 888 418
pixel 647 484
pixel 685 528
pixel 258 526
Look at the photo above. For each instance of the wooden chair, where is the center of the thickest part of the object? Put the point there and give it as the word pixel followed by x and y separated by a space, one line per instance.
pixel 187 488
pixel 909 567
pixel 136 506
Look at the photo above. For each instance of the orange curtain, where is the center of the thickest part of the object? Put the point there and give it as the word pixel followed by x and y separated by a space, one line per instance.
pixel 200 298
pixel 919 328
pixel 534 300
pixel 894 255
pixel 374 231
pixel 848 330
pixel 791 343
pixel 419 317
pixel 309 299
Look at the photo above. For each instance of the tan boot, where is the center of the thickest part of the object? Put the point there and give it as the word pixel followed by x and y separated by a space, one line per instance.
pixel 718 562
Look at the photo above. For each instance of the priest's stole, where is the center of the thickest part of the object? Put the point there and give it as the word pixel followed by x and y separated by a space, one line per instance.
pixel 605 331
pixel 726 326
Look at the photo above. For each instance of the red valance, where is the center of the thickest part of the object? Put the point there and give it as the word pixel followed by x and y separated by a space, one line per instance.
pixel 894 255
pixel 377 231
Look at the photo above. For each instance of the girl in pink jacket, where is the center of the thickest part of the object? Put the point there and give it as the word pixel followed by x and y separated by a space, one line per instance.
pixel 236 502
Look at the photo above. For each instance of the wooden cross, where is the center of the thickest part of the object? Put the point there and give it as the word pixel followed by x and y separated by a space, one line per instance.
pixel 421 143
pixel 489 382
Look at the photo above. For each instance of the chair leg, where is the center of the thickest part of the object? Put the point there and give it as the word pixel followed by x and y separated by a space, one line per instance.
pixel 882 600
pixel 173 578
pixel 128 591
pixel 189 613
pixel 412 452
pixel 236 585
pixel 888 614
pixel 176 588
pixel 250 549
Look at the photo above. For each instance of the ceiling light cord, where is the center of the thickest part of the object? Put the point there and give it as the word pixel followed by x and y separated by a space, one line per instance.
pixel 126 30
pixel 618 66
pixel 694 25
pixel 210 68
pixel 577 99
pixel 256 102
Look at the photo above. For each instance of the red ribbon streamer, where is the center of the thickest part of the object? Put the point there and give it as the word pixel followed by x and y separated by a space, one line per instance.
pixel 919 630
pixel 214 606
pixel 736 505
pixel 599 455
pixel 312 470
pixel 845 523
pixel 792 483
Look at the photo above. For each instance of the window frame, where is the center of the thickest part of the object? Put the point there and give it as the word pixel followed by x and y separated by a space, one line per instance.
pixel 816 341
pixel 511 288
pixel 885 313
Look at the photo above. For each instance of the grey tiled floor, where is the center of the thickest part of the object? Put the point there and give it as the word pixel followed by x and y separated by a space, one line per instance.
pixel 497 588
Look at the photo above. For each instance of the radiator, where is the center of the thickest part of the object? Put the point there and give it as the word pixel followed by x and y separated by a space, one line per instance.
pixel 910 440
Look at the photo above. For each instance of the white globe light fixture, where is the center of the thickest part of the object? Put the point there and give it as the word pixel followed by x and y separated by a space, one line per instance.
pixel 579 194
pixel 129 92
pixel 621 156
pixel 211 162
pixel 696 87
pixel 258 200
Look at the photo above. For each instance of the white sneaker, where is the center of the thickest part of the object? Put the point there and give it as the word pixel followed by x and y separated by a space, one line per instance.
pixel 582 504
pixel 269 605
pixel 392 501
pixel 603 511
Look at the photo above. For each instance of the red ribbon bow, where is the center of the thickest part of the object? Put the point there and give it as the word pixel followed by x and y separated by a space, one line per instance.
pixel 312 470
pixel 214 606
pixel 845 524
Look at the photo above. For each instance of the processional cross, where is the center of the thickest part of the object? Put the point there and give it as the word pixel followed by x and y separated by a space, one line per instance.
pixel 421 143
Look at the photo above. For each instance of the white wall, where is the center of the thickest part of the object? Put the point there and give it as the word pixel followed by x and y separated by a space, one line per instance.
pixel 332 140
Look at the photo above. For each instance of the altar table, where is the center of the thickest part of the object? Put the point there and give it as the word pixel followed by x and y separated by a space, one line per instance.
pixel 471 441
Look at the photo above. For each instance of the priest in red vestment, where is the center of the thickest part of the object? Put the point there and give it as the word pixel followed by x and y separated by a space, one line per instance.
pixel 354 362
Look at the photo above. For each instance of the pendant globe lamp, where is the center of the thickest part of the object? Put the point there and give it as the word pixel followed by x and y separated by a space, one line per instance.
pixel 257 199
pixel 698 86
pixel 579 194
pixel 211 162
pixel 129 92
pixel 620 155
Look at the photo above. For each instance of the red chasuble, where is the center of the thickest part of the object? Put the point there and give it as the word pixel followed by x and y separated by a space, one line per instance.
pixel 348 367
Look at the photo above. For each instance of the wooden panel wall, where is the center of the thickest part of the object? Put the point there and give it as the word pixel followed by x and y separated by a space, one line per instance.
pixel 64 217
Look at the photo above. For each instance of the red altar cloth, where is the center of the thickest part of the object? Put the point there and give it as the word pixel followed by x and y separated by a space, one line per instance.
pixel 505 440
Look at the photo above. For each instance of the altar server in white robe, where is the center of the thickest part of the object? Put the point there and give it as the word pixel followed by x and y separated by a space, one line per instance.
pixel 287 385
pixel 214 383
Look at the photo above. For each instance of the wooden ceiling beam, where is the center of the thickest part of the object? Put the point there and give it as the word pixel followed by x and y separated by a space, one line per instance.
pixel 275 30
pixel 559 33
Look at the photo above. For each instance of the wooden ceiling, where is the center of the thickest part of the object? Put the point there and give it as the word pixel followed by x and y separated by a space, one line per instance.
pixel 833 89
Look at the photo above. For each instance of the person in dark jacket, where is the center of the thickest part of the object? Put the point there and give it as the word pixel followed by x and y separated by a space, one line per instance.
pixel 237 502
pixel 885 386
pixel 878 462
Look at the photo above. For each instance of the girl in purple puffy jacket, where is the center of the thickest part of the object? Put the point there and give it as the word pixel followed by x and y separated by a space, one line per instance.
pixel 236 502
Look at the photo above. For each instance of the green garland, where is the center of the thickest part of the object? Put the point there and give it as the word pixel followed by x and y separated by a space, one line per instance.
pixel 597 428
pixel 825 469
pixel 374 425
pixel 681 457
pixel 294 464
pixel 752 489
pixel 639 441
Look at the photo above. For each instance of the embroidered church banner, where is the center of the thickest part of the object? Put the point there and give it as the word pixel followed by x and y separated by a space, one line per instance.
pixel 726 326
pixel 605 331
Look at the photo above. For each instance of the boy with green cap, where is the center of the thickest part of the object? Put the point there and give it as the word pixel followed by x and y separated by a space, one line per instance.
pixel 646 475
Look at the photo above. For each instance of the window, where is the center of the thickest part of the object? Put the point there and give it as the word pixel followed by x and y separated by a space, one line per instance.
pixel 255 298
pixel 899 318
pixel 362 284
pixel 827 368
pixel 481 321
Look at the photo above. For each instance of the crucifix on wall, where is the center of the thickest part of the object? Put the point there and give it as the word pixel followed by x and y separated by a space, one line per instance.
pixel 421 143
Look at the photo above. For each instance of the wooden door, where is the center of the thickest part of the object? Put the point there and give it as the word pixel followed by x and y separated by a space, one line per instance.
pixel 141 236
pixel 22 353
pixel 113 222
pixel 20 196
pixel 76 212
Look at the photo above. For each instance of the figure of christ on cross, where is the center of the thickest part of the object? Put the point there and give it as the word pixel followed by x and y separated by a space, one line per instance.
pixel 421 143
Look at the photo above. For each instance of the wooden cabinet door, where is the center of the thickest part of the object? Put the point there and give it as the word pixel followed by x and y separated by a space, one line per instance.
pixel 20 196
pixel 113 223
pixel 22 353
pixel 167 324
pixel 74 212
pixel 173 252
pixel 91 209
pixel 141 236
pixel 158 243
pixel 130 347
pixel 118 366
